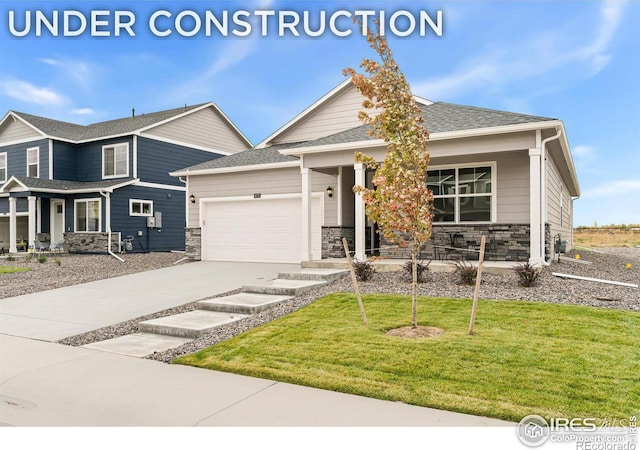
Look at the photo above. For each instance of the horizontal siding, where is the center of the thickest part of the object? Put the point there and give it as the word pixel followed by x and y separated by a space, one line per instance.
pixel 65 161
pixel 265 182
pixel 338 114
pixel 555 208
pixel 169 203
pixel 22 205
pixel 156 159
pixel 17 131
pixel 17 158
pixel 206 128
pixel 90 158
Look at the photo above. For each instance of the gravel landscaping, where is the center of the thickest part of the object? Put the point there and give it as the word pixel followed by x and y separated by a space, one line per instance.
pixel 75 269
pixel 610 264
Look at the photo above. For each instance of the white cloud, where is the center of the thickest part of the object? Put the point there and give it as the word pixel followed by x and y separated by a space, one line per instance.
pixel 530 58
pixel 29 93
pixel 626 188
pixel 83 111
pixel 79 71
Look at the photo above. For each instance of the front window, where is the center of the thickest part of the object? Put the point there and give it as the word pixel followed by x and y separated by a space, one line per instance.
pixel 33 162
pixel 140 208
pixel 462 194
pixel 3 167
pixel 115 161
pixel 88 215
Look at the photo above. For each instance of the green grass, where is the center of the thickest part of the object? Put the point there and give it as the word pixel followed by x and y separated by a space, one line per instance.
pixel 12 269
pixel 524 358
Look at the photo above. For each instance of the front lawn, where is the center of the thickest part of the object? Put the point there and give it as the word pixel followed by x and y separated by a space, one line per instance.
pixel 12 269
pixel 525 357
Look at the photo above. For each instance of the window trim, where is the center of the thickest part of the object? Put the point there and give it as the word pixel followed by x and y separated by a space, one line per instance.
pixel 456 196
pixel 4 156
pixel 75 214
pixel 115 146
pixel 37 163
pixel 135 200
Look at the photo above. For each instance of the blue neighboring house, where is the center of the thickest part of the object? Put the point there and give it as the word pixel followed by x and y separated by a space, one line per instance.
pixel 100 183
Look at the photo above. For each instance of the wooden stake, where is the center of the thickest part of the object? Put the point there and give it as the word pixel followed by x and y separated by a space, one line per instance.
pixel 478 281
pixel 355 281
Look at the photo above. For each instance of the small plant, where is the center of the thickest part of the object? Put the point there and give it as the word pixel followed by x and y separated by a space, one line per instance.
pixel 363 269
pixel 11 258
pixel 42 259
pixel 28 258
pixel 421 267
pixel 58 261
pixel 466 271
pixel 527 274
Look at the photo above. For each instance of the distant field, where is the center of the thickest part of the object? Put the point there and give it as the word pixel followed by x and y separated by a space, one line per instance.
pixel 607 237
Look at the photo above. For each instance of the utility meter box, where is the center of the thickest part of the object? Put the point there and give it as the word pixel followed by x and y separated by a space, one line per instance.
pixel 158 217
pixel 151 222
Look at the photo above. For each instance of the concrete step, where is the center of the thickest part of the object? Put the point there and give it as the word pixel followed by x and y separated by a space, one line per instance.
pixel 282 287
pixel 327 275
pixel 242 303
pixel 190 324
pixel 138 344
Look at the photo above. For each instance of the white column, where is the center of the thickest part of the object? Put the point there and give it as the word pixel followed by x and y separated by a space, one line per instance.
pixel 339 196
pixel 306 214
pixel 535 216
pixel 32 220
pixel 107 212
pixel 39 216
pixel 360 222
pixel 12 225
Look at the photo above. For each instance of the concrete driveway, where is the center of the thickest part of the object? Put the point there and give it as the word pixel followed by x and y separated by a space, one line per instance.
pixel 64 312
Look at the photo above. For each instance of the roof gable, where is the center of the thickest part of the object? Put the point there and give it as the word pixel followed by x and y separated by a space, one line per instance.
pixel 13 129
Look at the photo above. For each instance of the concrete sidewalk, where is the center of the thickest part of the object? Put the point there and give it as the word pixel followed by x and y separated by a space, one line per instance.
pixel 59 313
pixel 46 384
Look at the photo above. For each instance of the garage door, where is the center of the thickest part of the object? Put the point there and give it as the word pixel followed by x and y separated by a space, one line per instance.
pixel 260 230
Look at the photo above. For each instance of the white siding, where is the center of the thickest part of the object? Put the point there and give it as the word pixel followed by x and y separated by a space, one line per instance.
pixel 16 131
pixel 557 207
pixel 338 114
pixel 276 181
pixel 205 128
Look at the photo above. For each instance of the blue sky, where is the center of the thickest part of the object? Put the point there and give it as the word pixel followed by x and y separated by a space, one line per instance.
pixel 578 61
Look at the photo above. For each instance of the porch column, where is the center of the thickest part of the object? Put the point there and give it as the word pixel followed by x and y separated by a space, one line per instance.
pixel 360 220
pixel 32 221
pixel 306 214
pixel 535 217
pixel 12 225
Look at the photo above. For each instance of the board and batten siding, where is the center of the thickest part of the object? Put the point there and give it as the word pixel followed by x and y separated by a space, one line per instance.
pixel 205 128
pixel 16 130
pixel 559 205
pixel 512 182
pixel 338 114
pixel 264 182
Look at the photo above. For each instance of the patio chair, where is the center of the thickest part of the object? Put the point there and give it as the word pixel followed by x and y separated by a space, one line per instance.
pixel 59 247
pixel 39 247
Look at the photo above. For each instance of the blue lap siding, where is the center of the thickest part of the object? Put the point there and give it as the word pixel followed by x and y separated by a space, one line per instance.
pixel 17 158
pixel 90 158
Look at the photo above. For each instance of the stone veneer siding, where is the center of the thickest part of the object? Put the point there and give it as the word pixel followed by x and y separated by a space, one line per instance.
pixel 193 243
pixel 94 243
pixel 332 246
pixel 505 242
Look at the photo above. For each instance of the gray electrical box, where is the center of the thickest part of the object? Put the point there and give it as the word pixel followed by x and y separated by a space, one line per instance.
pixel 151 222
pixel 158 217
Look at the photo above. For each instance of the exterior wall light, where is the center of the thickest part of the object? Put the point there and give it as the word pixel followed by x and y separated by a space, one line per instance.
pixel 192 198
pixel 329 192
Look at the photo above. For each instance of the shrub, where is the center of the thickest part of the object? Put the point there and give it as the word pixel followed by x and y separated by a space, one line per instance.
pixel 527 274
pixel 363 269
pixel 466 271
pixel 58 261
pixel 42 259
pixel 421 267
pixel 11 258
pixel 28 258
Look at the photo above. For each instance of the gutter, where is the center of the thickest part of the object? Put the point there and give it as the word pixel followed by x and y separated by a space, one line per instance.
pixel 107 196
pixel 543 193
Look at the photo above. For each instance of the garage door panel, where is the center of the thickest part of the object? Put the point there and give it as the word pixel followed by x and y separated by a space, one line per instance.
pixel 258 230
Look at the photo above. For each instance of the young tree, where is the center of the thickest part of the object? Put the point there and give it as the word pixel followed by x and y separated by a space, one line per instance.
pixel 400 203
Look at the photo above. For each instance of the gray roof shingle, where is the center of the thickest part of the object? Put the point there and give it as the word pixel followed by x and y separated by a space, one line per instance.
pixel 251 157
pixel 439 118
pixel 74 132
pixel 64 185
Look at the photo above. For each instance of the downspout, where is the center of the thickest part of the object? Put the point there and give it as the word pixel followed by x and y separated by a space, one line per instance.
pixel 543 194
pixel 107 196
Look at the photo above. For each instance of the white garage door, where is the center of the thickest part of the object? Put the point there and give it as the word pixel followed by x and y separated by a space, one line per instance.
pixel 260 230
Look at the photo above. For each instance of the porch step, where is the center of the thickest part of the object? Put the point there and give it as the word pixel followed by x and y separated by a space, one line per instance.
pixel 282 287
pixel 138 344
pixel 190 324
pixel 242 303
pixel 328 275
